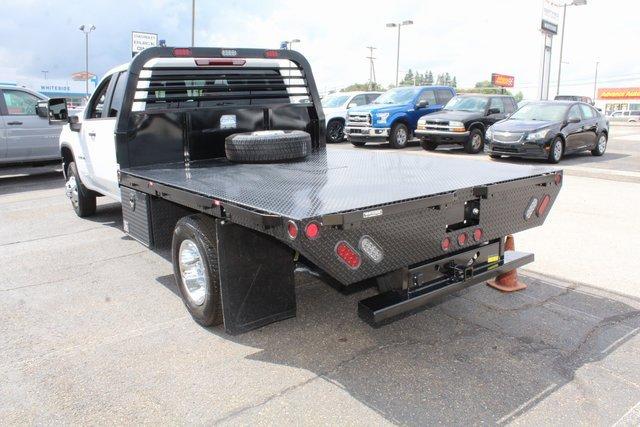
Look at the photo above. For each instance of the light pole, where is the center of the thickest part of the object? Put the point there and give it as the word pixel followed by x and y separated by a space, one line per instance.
pixel 399 25
pixel 45 73
pixel 564 16
pixel 291 42
pixel 193 22
pixel 595 81
pixel 86 29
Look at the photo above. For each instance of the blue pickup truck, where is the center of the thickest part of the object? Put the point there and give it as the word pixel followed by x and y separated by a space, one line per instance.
pixel 394 115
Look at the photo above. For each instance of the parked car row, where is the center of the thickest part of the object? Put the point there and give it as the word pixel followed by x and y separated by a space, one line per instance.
pixel 479 122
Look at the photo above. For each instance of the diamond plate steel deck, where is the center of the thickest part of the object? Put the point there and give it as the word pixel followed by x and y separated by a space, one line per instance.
pixel 332 180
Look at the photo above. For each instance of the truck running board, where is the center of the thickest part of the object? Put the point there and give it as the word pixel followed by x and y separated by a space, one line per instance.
pixel 382 308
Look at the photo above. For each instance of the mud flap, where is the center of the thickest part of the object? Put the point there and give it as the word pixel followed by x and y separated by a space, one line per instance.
pixel 256 278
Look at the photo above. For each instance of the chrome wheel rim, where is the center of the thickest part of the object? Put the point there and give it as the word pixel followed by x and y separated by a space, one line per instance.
pixel 602 143
pixel 557 150
pixel 401 136
pixel 71 190
pixel 476 141
pixel 192 272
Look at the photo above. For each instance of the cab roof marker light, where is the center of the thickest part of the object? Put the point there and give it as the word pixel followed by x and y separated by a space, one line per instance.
pixel 203 62
pixel 181 51
pixel 271 54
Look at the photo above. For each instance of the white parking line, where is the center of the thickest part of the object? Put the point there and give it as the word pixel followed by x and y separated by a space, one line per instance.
pixel 630 418
pixel 619 340
pixel 527 403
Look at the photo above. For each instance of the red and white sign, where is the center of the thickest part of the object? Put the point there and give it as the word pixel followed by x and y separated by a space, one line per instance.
pixel 502 80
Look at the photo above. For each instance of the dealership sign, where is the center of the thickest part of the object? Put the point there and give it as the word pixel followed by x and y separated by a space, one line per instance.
pixel 550 17
pixel 619 93
pixel 502 80
pixel 141 41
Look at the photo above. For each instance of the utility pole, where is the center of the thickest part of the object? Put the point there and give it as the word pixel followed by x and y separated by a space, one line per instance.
pixel 193 23
pixel 372 68
pixel 86 29
pixel 595 82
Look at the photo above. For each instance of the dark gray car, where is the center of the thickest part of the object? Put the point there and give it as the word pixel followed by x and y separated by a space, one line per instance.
pixel 25 136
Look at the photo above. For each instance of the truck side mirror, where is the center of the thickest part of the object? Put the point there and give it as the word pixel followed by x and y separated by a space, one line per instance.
pixel 42 109
pixel 57 110
pixel 74 123
pixel 493 111
pixel 423 103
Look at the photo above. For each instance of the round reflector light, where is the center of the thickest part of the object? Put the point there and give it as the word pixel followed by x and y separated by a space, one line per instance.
pixel 371 249
pixel 462 239
pixel 477 234
pixel 292 230
pixel 445 244
pixel 312 230
pixel 348 255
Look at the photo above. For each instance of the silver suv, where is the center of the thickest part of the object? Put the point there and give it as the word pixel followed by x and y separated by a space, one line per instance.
pixel 25 132
pixel 625 116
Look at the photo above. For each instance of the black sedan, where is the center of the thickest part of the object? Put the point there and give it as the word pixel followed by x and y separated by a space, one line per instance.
pixel 549 130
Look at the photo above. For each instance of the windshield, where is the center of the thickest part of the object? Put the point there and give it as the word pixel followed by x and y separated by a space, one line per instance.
pixel 399 95
pixel 467 103
pixel 546 112
pixel 334 101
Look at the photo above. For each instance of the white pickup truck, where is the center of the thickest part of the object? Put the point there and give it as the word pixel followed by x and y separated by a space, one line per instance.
pixel 335 108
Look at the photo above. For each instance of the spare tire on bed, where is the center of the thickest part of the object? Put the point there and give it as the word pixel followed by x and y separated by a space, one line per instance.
pixel 267 146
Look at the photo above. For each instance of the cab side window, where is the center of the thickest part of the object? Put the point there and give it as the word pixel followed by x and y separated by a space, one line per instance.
pixel 118 95
pixel 497 103
pixel 20 103
pixel 96 103
pixel 443 96
pixel 372 97
pixel 357 100
pixel 429 96
pixel 509 105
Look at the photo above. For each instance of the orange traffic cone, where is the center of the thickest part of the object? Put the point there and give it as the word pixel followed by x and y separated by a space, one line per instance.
pixel 507 282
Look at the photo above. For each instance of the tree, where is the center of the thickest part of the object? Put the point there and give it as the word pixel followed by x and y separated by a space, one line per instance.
pixel 518 96
pixel 454 82
pixel 361 87
pixel 408 79
pixel 428 77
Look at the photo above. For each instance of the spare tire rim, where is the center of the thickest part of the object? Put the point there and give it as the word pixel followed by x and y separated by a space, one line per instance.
pixel 557 150
pixel 401 136
pixel 71 190
pixel 602 143
pixel 476 141
pixel 192 272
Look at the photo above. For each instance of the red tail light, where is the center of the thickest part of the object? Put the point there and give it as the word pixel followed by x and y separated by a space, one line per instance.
pixel 181 51
pixel 292 230
pixel 462 239
pixel 220 61
pixel 544 204
pixel 348 255
pixel 312 230
pixel 558 178
pixel 477 234
pixel 271 54
pixel 445 244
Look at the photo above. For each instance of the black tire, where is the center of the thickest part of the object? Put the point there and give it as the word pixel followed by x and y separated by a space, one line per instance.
pixel 199 229
pixel 335 131
pixel 554 157
pixel 358 143
pixel 600 148
pixel 267 146
pixel 472 146
pixel 399 137
pixel 428 145
pixel 495 156
pixel 82 199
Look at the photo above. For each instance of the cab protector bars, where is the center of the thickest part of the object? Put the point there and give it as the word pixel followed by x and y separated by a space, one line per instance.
pixel 124 125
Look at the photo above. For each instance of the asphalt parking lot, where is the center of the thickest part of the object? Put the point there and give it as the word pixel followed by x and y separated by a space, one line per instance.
pixel 92 330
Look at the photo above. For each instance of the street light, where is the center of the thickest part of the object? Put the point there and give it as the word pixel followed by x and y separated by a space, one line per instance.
pixel 290 42
pixel 564 15
pixel 45 72
pixel 86 29
pixel 399 25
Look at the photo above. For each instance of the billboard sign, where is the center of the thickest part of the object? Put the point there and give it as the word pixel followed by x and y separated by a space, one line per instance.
pixel 140 41
pixel 619 93
pixel 550 17
pixel 502 80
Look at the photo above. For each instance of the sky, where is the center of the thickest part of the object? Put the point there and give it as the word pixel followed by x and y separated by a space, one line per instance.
pixel 468 38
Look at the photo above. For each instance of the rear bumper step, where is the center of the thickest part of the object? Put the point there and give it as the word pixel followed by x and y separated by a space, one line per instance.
pixel 381 308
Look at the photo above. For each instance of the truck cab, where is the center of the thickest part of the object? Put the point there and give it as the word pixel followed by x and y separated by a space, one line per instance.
pixel 335 108
pixel 394 115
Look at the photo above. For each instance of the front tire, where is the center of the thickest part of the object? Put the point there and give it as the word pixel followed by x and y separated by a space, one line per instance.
pixel 555 150
pixel 428 145
pixel 82 199
pixel 194 252
pixel 335 131
pixel 601 145
pixel 399 135
pixel 475 142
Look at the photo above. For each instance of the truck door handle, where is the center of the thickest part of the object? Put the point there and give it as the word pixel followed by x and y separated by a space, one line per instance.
pixel 92 134
pixel 14 123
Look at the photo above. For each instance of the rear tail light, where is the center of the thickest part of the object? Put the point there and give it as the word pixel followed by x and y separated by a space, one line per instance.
pixel 558 178
pixel 445 244
pixel 312 230
pixel 271 54
pixel 462 239
pixel 292 230
pixel 477 234
pixel 181 51
pixel 371 249
pixel 220 61
pixel 544 204
pixel 348 255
